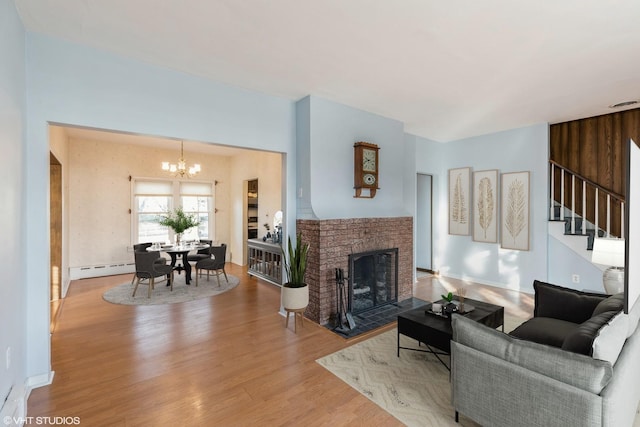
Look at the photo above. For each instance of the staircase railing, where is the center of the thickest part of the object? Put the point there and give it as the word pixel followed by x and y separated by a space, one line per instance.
pixel 590 196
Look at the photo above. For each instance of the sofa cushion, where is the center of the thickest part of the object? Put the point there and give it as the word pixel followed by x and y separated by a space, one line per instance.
pixel 563 303
pixel 545 330
pixel 612 303
pixel 580 340
pixel 611 337
pixel 574 369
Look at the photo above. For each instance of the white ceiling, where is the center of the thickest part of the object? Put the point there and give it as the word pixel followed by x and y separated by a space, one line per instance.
pixel 447 69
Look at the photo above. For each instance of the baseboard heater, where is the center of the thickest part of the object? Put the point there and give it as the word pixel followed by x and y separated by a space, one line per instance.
pixel 101 270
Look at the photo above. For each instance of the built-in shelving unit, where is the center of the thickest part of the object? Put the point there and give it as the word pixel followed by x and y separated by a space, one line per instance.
pixel 252 209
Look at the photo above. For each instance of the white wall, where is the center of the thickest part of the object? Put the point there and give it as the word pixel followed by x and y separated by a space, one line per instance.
pixel 71 84
pixel 327 156
pixel 12 193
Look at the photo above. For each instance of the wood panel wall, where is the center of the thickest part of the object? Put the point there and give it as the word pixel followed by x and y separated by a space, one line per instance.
pixel 595 149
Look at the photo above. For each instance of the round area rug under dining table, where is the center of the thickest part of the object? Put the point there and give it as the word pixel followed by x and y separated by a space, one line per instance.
pixel 162 294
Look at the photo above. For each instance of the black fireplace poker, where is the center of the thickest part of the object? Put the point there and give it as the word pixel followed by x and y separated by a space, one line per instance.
pixel 344 319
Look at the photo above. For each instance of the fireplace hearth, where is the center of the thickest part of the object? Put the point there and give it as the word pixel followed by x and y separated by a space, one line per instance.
pixel 373 279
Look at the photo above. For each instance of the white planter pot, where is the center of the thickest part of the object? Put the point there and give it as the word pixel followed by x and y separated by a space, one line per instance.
pixel 295 298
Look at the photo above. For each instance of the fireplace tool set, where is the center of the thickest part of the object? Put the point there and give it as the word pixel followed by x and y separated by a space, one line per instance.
pixel 344 319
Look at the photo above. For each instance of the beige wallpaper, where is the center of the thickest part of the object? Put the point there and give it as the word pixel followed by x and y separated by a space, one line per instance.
pixel 100 194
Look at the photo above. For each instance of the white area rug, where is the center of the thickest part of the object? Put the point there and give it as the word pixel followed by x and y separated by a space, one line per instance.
pixel 414 387
pixel 162 294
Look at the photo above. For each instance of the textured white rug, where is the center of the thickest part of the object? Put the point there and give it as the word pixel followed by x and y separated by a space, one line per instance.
pixel 162 294
pixel 414 387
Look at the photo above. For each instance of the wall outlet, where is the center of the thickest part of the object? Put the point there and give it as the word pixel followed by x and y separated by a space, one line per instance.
pixel 575 278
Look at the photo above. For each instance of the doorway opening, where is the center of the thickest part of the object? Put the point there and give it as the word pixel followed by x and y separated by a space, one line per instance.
pixel 55 244
pixel 424 224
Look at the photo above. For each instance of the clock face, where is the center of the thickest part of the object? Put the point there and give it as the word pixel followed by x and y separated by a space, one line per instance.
pixel 369 160
pixel 369 179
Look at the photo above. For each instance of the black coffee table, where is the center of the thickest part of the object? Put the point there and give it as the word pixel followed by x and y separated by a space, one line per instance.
pixel 435 331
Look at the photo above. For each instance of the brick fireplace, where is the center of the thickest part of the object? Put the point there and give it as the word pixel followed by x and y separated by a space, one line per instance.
pixel 333 240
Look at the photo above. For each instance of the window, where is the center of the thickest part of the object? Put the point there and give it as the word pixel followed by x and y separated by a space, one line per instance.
pixel 196 200
pixel 153 198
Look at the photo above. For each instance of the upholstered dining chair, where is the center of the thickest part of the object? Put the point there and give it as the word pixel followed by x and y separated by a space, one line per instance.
pixel 214 264
pixel 147 268
pixel 201 253
pixel 142 247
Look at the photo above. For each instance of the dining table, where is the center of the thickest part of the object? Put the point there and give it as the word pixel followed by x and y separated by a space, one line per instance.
pixel 180 252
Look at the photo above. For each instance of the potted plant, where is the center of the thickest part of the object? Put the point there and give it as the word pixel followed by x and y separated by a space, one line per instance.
pixel 295 292
pixel 178 221
pixel 448 306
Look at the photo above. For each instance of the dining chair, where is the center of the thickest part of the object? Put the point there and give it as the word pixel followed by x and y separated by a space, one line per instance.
pixel 214 264
pixel 148 269
pixel 201 253
pixel 142 247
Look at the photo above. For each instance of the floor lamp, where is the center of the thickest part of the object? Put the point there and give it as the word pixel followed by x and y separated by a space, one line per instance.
pixel 610 252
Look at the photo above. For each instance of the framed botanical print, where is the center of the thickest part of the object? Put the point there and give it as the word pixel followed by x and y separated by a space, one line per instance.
pixel 459 198
pixel 485 206
pixel 514 211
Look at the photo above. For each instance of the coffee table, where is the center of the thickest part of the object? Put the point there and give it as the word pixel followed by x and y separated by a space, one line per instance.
pixel 435 331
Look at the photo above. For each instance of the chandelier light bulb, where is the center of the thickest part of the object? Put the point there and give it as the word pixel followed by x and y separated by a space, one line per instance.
pixel 181 167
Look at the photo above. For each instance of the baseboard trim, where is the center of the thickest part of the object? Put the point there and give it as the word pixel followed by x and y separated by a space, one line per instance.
pixel 41 380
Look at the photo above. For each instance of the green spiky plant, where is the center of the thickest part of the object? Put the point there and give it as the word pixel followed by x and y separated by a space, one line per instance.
pixel 178 221
pixel 448 297
pixel 295 262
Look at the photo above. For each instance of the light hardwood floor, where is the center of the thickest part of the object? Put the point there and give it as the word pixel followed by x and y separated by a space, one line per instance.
pixel 221 361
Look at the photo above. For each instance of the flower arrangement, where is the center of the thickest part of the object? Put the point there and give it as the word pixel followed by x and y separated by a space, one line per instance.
pixel 178 220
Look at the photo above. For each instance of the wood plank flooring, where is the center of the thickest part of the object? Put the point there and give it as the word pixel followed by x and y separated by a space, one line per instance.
pixel 221 361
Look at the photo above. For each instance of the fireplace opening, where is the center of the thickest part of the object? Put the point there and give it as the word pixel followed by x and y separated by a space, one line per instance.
pixel 373 279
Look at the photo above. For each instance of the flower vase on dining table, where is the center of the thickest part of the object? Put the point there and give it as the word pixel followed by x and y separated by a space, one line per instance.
pixel 178 239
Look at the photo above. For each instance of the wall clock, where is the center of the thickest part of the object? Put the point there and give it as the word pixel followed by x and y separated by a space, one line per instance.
pixel 365 171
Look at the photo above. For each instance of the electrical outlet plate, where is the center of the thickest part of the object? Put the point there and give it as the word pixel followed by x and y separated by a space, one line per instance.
pixel 575 278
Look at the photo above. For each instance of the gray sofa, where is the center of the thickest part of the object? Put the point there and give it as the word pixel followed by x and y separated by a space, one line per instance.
pixel 502 380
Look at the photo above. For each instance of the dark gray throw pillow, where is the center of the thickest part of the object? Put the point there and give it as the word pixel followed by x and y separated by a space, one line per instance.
pixel 581 339
pixel 563 303
pixel 612 303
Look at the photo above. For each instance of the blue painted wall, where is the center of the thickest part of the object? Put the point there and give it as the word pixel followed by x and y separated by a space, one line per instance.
pixel 524 149
pixel 327 154
pixel 12 226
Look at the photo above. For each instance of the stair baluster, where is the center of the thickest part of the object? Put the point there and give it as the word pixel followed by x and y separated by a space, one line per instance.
pixel 583 227
pixel 581 222
pixel 552 213
pixel 573 204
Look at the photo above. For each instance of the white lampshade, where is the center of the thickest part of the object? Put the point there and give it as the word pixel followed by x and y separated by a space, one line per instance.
pixel 608 252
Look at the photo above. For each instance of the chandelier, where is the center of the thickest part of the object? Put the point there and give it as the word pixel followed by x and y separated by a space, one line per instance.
pixel 181 167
